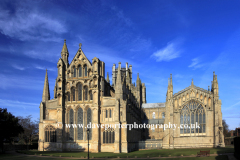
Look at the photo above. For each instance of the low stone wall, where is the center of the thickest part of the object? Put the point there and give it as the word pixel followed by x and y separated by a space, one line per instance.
pixel 150 144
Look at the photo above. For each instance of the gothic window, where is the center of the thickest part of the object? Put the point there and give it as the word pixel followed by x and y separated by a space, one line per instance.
pixel 106 113
pixel 191 116
pixel 109 135
pixel 80 71
pixel 89 121
pixel 74 71
pixel 153 115
pixel 71 129
pixel 50 134
pixel 90 95
pixel 79 87
pixel 68 96
pixel 73 94
pixel 85 93
pixel 163 115
pixel 85 71
pixel 80 121
pixel 110 113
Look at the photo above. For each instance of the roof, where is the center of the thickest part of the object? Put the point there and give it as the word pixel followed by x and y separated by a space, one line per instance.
pixel 153 105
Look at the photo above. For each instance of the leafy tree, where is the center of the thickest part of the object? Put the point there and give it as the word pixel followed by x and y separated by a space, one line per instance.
pixel 9 125
pixel 226 132
pixel 30 129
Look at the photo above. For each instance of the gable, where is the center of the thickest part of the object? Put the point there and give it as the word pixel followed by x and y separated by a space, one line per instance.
pixel 80 58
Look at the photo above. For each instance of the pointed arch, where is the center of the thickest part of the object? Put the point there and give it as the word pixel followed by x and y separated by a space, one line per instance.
pixel 79 71
pixel 192 113
pixel 89 121
pixel 50 134
pixel 85 71
pixel 71 129
pixel 73 93
pixel 79 91
pixel 80 122
pixel 85 93
pixel 74 71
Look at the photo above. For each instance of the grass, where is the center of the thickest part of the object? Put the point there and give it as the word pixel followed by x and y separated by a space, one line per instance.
pixel 25 157
pixel 141 153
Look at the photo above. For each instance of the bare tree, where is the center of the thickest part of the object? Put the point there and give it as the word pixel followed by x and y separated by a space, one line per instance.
pixel 30 129
pixel 226 132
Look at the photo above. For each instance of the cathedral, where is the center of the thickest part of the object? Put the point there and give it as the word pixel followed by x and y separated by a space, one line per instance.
pixel 86 107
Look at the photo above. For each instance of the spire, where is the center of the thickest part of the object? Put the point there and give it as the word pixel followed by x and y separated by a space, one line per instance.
pixel 65 53
pixel 108 78
pixel 46 93
pixel 170 88
pixel 138 79
pixel 192 83
pixel 64 49
pixel 170 79
pixel 118 88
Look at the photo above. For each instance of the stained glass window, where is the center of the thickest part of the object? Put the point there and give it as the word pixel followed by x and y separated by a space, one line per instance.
pixel 89 121
pixel 80 71
pixel 71 129
pixel 191 116
pixel 80 122
pixel 79 91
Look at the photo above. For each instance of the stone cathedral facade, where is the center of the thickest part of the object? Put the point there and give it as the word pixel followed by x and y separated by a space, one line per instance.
pixel 84 101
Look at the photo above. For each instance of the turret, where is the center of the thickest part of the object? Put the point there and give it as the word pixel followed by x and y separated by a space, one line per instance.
pixel 170 88
pixel 118 87
pixel 46 92
pixel 108 78
pixel 215 85
pixel 65 53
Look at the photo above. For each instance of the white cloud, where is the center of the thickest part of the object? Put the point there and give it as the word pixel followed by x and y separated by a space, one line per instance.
pixel 44 68
pixel 18 67
pixel 17 104
pixel 196 64
pixel 29 24
pixel 171 51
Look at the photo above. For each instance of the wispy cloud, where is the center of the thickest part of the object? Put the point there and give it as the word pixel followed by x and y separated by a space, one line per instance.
pixel 18 67
pixel 196 64
pixel 171 51
pixel 44 68
pixel 16 104
pixel 27 23
pixel 15 81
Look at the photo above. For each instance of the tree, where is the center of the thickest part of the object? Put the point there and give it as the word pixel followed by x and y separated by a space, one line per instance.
pixel 9 125
pixel 226 132
pixel 30 129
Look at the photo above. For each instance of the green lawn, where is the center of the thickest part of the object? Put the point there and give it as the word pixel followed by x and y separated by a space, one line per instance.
pixel 141 153
pixel 26 157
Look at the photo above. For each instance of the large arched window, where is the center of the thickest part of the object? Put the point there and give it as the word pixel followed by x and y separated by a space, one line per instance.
pixel 74 71
pixel 71 129
pixel 85 93
pixel 50 134
pixel 108 135
pixel 89 120
pixel 79 87
pixel 80 71
pixel 73 94
pixel 80 122
pixel 192 115
pixel 85 70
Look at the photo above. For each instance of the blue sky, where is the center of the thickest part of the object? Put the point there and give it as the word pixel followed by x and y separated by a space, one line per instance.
pixel 189 39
